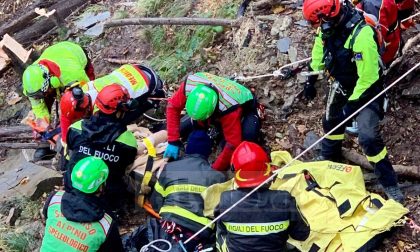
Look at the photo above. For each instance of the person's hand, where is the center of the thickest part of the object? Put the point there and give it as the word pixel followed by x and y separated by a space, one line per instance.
pixel 309 91
pixel 172 151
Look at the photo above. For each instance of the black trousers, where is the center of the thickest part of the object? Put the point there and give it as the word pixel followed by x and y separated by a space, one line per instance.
pixel 370 140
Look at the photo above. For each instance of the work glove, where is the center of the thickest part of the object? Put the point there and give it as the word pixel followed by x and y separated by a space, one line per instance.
pixel 309 91
pixel 172 151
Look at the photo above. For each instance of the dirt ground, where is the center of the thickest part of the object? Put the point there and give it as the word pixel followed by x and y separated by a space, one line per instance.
pixel 251 50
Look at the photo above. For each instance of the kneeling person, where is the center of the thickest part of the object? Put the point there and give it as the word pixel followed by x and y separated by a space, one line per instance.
pixel 177 193
pixel 76 221
pixel 106 137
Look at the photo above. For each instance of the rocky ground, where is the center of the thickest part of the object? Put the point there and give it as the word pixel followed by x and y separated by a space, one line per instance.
pixel 267 39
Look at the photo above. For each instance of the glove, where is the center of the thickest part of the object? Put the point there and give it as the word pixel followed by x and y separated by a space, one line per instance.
pixel 172 151
pixel 309 91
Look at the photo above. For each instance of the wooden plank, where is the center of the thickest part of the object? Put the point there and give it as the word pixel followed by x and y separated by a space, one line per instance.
pixel 16 48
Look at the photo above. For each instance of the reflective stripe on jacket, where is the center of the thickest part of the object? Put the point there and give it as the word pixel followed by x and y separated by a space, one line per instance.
pixel 230 92
pixel 262 222
pixel 130 76
pixel 177 194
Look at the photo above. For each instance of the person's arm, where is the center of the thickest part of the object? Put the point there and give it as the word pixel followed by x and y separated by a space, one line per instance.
pixel 299 228
pixel 113 241
pixel 367 62
pixel 173 114
pixel 232 132
pixel 65 123
pixel 46 204
pixel 40 109
pixel 317 63
pixel 157 198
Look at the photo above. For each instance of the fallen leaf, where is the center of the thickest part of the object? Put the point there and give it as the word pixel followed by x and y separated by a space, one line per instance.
pixel 301 128
pixel 278 9
pixel 13 98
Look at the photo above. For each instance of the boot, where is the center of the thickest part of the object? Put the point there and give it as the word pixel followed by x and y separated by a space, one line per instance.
pixel 44 153
pixel 394 192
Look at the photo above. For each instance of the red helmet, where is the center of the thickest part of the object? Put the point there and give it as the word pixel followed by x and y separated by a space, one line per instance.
pixel 112 98
pixel 313 10
pixel 251 165
pixel 74 101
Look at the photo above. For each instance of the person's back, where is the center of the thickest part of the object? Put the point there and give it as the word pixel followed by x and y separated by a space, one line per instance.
pixel 106 137
pixel 264 220
pixel 177 194
pixel 76 220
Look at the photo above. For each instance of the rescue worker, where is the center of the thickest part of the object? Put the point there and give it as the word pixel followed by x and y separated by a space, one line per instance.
pixel 177 196
pixel 141 82
pixel 106 137
pixel 44 80
pixel 263 221
pixel 346 48
pixel 386 13
pixel 213 100
pixel 77 220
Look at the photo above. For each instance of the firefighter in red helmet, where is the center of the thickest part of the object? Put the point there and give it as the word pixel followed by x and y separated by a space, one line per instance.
pixel 104 135
pixel 264 220
pixel 141 82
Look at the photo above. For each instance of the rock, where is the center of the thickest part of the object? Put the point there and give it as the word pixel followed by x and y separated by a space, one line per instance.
pixel 12 217
pixel 95 31
pixel 38 178
pixel 273 61
pixel 283 44
pixel 292 52
pixel 413 91
pixel 275 29
pixel 302 23
pixel 286 22
pixel 90 19
pixel 311 138
pixel 16 111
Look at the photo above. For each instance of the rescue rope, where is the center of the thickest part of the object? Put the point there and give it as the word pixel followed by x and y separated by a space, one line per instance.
pixel 301 154
pixel 153 118
pixel 275 73
pixel 410 17
pixel 145 248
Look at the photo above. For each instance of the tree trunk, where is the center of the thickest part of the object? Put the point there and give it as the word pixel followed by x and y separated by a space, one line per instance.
pixel 64 8
pixel 14 130
pixel 22 21
pixel 4 145
pixel 173 21
pixel 412 172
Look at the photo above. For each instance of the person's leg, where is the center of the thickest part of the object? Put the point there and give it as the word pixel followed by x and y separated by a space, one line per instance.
pixel 251 127
pixel 374 148
pixel 331 145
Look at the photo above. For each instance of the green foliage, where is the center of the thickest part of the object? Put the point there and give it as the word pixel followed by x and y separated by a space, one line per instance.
pixel 151 7
pixel 24 240
pixel 176 49
pixel 11 241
